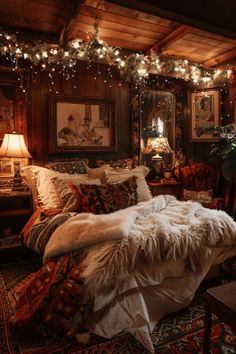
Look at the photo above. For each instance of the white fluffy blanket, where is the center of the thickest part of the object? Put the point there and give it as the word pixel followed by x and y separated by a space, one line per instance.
pixel 150 232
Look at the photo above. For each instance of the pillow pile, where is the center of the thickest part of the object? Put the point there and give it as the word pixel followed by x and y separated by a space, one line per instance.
pixel 40 181
pixel 104 189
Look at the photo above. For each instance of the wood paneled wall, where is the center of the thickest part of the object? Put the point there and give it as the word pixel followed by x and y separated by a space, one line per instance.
pixel 86 83
pixel 199 151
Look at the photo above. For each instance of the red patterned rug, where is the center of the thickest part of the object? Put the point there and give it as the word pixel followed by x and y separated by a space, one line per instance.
pixel 181 332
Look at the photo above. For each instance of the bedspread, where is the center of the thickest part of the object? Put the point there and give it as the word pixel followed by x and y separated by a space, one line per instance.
pixel 134 265
pixel 151 232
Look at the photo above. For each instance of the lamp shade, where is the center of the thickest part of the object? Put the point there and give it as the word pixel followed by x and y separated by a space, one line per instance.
pixel 159 145
pixel 13 145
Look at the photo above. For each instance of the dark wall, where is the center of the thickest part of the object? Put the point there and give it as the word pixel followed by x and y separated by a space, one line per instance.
pixel 88 83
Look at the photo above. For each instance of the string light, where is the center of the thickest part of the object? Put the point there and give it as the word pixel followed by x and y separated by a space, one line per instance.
pixel 135 68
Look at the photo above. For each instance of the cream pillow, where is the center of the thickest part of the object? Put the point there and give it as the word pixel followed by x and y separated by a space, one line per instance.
pixel 39 180
pixel 95 173
pixel 64 188
pixel 140 172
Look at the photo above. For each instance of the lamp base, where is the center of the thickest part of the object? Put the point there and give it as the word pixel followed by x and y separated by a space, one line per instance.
pixel 17 179
pixel 17 184
pixel 158 167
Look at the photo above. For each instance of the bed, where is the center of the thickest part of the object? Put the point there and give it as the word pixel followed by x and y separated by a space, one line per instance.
pixel 114 259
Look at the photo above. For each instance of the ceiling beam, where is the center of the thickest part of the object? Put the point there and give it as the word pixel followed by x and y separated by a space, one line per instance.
pixel 66 27
pixel 170 39
pixel 219 59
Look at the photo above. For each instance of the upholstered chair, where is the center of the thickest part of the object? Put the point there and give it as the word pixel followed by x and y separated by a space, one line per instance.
pixel 200 182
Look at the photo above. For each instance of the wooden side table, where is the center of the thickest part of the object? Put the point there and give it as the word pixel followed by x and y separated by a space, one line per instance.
pixel 15 210
pixel 165 186
pixel 220 301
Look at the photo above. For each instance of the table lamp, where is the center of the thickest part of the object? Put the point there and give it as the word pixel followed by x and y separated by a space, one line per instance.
pixel 13 146
pixel 158 146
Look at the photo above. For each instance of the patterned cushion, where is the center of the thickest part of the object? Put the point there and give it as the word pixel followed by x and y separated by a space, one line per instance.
pixel 115 164
pixel 107 198
pixel 64 189
pixel 68 166
pixel 200 196
pixel 143 191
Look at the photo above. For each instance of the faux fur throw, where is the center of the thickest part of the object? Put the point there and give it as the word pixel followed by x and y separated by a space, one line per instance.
pixel 151 232
pixel 87 229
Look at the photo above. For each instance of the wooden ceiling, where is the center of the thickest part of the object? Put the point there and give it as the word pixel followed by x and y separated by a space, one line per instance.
pixel 137 26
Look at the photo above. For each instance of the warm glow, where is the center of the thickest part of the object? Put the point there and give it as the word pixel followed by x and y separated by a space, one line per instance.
pixel 160 126
pixel 159 145
pixel 13 145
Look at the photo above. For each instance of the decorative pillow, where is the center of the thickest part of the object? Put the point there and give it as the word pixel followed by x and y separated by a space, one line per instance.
pixel 64 188
pixel 68 166
pixel 30 180
pixel 140 172
pixel 106 198
pixel 39 180
pixel 95 173
pixel 200 196
pixel 115 164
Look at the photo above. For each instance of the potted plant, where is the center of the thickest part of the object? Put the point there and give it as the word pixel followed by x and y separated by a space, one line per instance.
pixel 223 151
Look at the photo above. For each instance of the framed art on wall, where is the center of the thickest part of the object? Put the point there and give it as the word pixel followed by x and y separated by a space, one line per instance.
pixel 7 108
pixel 82 124
pixel 205 112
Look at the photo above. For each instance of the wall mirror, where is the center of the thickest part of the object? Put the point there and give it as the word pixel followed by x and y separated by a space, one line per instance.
pixel 157 128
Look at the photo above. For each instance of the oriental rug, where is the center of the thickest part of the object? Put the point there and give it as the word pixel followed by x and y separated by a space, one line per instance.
pixel 177 333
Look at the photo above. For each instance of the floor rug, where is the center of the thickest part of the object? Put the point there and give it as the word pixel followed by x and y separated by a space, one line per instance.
pixel 181 332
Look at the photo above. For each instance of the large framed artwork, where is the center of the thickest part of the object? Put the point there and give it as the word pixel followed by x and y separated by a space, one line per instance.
pixel 205 112
pixel 82 124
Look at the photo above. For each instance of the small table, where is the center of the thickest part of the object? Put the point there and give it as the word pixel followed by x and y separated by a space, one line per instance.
pixel 221 301
pixel 165 186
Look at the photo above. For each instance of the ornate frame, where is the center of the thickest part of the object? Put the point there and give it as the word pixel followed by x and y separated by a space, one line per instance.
pixel 135 104
pixel 205 111
pixel 82 124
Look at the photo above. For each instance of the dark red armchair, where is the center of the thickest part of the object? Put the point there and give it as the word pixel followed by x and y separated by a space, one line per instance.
pixel 200 182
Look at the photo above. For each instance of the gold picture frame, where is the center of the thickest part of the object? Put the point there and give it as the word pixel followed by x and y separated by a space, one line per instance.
pixel 82 124
pixel 205 111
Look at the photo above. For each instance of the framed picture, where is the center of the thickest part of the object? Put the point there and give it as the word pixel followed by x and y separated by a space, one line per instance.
pixel 205 112
pixel 7 108
pixel 82 124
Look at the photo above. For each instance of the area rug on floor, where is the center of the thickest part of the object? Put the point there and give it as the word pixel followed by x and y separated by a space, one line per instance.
pixel 181 332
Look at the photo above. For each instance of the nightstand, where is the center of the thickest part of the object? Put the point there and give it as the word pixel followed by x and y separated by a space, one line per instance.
pixel 165 186
pixel 15 210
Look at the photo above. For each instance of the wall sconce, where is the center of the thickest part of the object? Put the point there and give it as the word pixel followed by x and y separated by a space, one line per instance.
pixel 13 146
